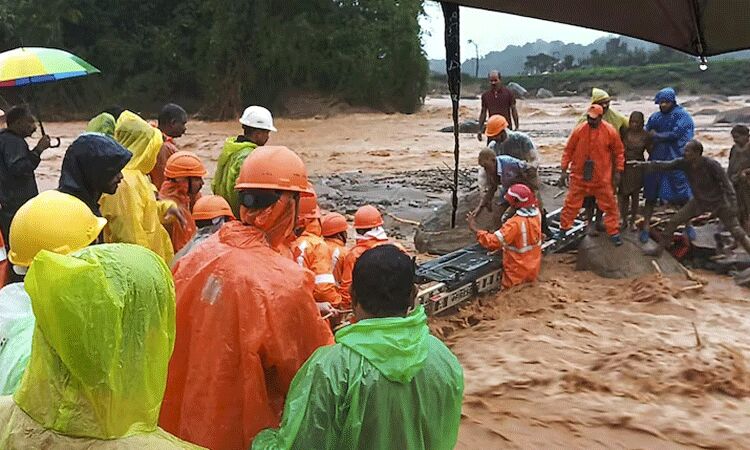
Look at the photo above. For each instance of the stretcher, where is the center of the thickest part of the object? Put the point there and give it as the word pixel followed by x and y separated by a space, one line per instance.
pixel 454 278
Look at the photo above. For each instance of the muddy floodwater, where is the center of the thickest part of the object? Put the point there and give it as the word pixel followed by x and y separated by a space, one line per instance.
pixel 573 361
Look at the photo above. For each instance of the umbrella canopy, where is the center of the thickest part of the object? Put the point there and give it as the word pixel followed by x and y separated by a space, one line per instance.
pixel 35 65
pixel 698 27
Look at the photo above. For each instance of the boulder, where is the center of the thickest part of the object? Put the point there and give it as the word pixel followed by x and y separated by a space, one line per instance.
pixel 467 126
pixel 599 255
pixel 708 112
pixel 739 115
pixel 517 89
pixel 743 278
pixel 544 93
pixel 706 100
pixel 435 236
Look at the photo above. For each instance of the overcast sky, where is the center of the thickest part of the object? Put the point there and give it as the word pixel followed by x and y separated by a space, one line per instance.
pixel 494 31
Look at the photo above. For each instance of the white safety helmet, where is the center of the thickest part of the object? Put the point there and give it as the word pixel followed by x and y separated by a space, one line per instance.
pixel 258 117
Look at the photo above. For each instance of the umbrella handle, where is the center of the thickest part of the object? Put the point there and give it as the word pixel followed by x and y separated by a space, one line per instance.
pixel 54 141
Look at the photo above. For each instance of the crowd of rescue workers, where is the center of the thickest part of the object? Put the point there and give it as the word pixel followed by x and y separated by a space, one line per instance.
pixel 140 312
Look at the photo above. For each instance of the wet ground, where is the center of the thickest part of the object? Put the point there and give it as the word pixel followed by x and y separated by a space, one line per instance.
pixel 574 361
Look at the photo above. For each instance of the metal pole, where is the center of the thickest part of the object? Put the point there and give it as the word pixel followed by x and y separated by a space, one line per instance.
pixel 476 66
pixel 453 67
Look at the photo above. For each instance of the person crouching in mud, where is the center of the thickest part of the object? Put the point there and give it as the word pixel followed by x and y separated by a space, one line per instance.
pixel 504 171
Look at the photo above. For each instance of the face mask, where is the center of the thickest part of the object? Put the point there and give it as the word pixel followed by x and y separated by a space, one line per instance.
pixel 276 221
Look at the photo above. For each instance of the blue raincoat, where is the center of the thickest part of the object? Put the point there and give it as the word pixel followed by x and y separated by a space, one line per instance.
pixel 673 131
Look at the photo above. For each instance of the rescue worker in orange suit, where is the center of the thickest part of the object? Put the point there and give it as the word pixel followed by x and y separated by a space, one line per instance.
pixel 334 227
pixel 520 238
pixel 246 317
pixel 368 224
pixel 183 180
pixel 593 149
pixel 311 252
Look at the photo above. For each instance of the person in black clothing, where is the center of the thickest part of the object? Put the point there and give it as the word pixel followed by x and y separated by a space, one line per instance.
pixel 712 192
pixel 93 166
pixel 17 164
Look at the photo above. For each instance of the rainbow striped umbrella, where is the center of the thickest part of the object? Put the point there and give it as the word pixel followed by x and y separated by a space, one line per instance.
pixel 35 65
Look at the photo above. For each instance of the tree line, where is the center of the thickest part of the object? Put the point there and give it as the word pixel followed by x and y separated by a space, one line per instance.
pixel 615 54
pixel 221 55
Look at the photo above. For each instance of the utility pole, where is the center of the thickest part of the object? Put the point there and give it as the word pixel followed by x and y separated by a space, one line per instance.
pixel 476 66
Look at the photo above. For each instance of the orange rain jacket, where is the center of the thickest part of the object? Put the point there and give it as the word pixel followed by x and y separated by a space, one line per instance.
pixel 603 146
pixel 363 244
pixel 177 191
pixel 311 252
pixel 521 241
pixel 246 322
pixel 338 254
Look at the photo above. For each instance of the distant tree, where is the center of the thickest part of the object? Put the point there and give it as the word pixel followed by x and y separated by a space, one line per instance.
pixel 569 62
pixel 539 63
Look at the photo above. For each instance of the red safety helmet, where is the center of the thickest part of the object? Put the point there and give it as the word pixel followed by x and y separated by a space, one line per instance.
pixel 520 196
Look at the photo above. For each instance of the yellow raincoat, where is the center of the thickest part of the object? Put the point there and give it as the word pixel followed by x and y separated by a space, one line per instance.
pixel 104 333
pixel 612 117
pixel 134 214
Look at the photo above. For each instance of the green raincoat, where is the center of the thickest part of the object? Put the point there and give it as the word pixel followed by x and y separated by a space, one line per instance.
pixel 16 329
pixel 386 384
pixel 105 325
pixel 228 169
pixel 103 123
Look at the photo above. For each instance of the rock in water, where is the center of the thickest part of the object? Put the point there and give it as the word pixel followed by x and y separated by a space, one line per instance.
pixel 707 112
pixel 517 89
pixel 739 115
pixel 743 278
pixel 599 255
pixel 435 235
pixel 544 93
pixel 468 126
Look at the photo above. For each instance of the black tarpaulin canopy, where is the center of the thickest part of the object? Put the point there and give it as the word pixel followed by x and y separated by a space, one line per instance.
pixel 698 27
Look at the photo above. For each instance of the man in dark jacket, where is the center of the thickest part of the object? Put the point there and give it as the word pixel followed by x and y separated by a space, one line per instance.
pixel 17 164
pixel 712 192
pixel 92 166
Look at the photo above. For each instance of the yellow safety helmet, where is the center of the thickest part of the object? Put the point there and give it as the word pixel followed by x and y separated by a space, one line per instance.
pixel 51 221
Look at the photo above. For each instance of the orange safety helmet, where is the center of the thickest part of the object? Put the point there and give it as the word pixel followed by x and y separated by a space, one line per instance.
pixel 520 196
pixel 333 224
pixel 367 216
pixel 184 164
pixel 308 207
pixel 495 125
pixel 275 168
pixel 210 207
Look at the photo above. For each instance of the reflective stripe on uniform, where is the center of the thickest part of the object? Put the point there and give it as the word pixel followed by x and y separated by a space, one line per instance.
pixel 335 257
pixel 326 278
pixel 525 247
pixel 301 258
pixel 500 236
